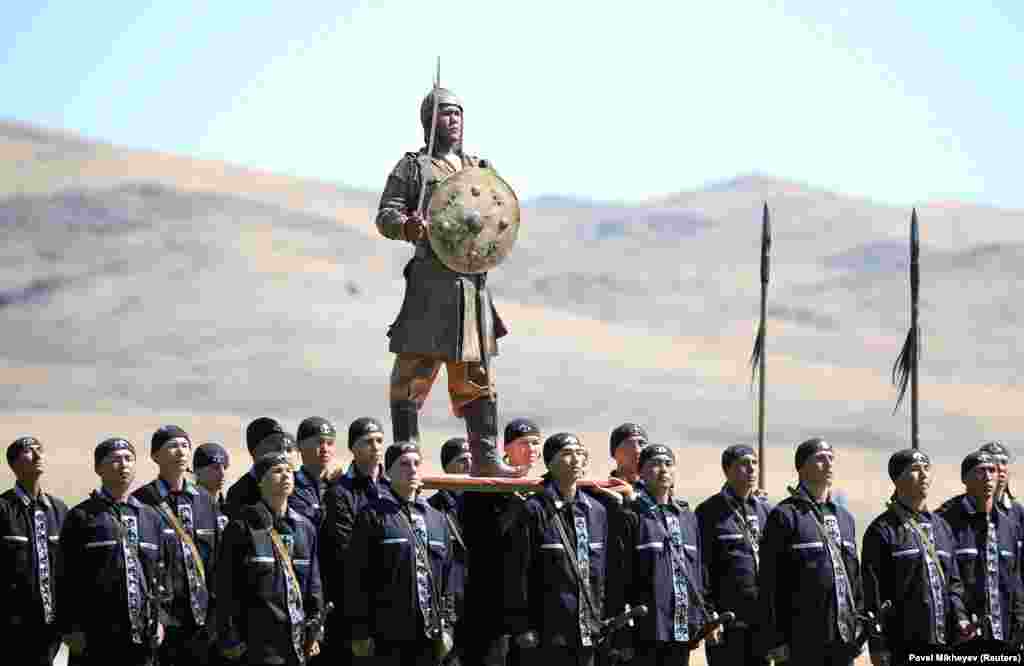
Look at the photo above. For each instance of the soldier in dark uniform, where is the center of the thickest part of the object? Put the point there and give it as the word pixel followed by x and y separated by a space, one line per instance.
pixel 456 459
pixel 262 436
pixel 268 590
pixel 344 498
pixel 625 444
pixel 191 535
pixel 316 438
pixel 486 518
pixel 987 546
pixel 1004 500
pixel 908 560
pixel 113 551
pixel 210 463
pixel 437 323
pixel 30 523
pixel 809 575
pixel 556 563
pixel 398 601
pixel 732 529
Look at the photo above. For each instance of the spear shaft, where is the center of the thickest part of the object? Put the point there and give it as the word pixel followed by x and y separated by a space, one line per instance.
pixel 766 244
pixel 915 287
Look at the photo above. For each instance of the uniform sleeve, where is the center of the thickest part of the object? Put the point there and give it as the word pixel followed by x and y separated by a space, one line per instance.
pixel 68 576
pixel 1017 590
pixel 314 601
pixel 335 537
pixel 874 553
pixel 702 576
pixel 706 542
pixel 230 583
pixel 397 199
pixel 771 584
pixel 954 588
pixel 624 639
pixel 615 579
pixel 856 582
pixel 518 562
pixel 359 587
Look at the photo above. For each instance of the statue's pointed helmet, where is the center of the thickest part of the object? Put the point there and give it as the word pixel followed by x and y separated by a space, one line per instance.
pixel 444 96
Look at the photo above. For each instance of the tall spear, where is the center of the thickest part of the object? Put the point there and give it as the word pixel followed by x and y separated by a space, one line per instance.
pixel 757 358
pixel 905 368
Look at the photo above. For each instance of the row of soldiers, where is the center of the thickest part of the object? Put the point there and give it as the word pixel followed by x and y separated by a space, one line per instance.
pixel 175 573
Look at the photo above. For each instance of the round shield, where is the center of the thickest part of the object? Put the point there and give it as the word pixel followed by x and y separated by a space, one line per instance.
pixel 473 220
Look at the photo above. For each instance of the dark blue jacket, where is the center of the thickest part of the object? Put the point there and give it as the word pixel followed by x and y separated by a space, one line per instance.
pixel 307 497
pixel 380 575
pixel 252 601
pixel 727 555
pixel 796 581
pixel 649 570
pixel 970 534
pixel 19 562
pixel 448 504
pixel 893 567
pixel 542 592
pixel 205 534
pixel 343 500
pixel 93 581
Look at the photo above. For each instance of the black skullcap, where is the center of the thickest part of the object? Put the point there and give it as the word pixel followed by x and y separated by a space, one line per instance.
pixel 165 434
pixel 973 460
pixel 268 461
pixel 557 442
pixel 656 451
pixel 315 427
pixel 734 453
pixel 361 427
pixel 453 449
pixel 108 446
pixel 809 448
pixel 210 453
pixel 277 441
pixel 258 431
pixel 517 428
pixel 903 459
pixel 624 431
pixel 997 450
pixel 396 450
pixel 18 446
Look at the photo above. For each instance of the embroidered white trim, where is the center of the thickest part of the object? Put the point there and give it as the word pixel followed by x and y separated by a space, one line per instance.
pixel 395 540
pixel 169 531
pixel 54 539
pixel 816 545
pixel 851 545
pixel 439 544
pixel 302 563
pixel 942 553
pixel 966 551
pixel 656 545
pixel 908 551
pixel 205 531
pixel 100 544
pixel 689 547
pixel 730 537
pixel 596 545
pixel 15 537
pixel 260 559
pixel 148 546
pixel 552 546
pixel 1006 553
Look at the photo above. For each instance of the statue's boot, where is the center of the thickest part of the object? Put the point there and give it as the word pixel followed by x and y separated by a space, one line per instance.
pixel 405 424
pixel 482 432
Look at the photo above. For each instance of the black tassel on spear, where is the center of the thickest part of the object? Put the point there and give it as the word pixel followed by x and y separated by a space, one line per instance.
pixel 757 358
pixel 904 371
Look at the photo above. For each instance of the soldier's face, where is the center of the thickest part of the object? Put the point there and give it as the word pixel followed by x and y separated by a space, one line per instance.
pixel 981 481
pixel 524 450
pixel 172 457
pixel 211 477
pixel 449 124
pixel 915 481
pixel 29 464
pixel 405 472
pixel 742 473
pixel 460 465
pixel 627 453
pixel 318 452
pixel 278 481
pixel 819 468
pixel 368 451
pixel 117 470
pixel 659 473
pixel 569 464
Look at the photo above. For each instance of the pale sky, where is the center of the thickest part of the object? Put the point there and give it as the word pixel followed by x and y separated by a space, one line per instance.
pixel 903 102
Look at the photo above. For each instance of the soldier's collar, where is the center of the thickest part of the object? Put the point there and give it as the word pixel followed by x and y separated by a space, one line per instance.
pixel 731 494
pixel 802 493
pixel 551 490
pixel 105 495
pixel 164 488
pixel 26 499
pixel 646 501
pixel 972 508
pixel 353 473
pixel 895 501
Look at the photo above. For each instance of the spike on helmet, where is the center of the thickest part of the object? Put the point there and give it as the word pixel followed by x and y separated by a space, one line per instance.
pixel 444 96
